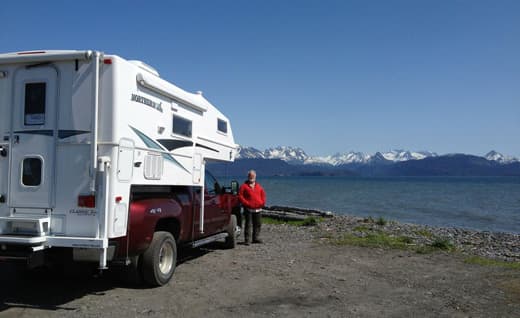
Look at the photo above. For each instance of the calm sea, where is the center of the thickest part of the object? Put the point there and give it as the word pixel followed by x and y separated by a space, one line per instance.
pixel 482 203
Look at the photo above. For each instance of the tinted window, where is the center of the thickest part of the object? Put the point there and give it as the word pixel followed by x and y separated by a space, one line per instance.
pixel 181 126
pixel 32 172
pixel 222 126
pixel 211 184
pixel 34 103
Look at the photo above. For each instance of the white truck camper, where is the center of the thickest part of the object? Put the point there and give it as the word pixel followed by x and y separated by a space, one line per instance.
pixel 84 135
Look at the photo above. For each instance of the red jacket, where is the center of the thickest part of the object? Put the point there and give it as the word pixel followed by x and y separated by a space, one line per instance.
pixel 251 198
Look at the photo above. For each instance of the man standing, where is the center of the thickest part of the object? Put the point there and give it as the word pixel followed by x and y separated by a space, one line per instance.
pixel 252 197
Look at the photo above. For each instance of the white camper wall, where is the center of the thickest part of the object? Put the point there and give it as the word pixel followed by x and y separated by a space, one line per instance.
pixel 72 143
pixel 5 111
pixel 73 152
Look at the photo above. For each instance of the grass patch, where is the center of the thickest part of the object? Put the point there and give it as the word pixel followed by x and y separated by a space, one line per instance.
pixel 437 245
pixel 381 221
pixel 311 221
pixel 424 233
pixel 368 220
pixel 406 239
pixel 362 228
pixel 308 221
pixel 383 240
pixel 374 240
pixel 491 262
pixel 442 244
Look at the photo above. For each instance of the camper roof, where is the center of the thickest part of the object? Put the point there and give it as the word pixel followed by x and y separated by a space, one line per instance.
pixel 160 86
pixel 147 78
pixel 44 55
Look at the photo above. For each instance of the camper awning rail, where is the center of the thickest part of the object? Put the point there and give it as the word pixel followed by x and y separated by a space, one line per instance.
pixel 44 56
pixel 195 101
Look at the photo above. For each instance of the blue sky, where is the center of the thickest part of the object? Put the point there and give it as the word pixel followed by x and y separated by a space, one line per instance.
pixel 328 76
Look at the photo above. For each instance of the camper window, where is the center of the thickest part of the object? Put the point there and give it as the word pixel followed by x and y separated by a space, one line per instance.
pixel 32 172
pixel 181 126
pixel 222 126
pixel 34 104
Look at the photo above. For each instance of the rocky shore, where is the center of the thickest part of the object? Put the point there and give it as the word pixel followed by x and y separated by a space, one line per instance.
pixel 499 246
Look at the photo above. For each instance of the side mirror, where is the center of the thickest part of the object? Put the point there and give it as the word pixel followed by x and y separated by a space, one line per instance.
pixel 234 187
pixel 218 189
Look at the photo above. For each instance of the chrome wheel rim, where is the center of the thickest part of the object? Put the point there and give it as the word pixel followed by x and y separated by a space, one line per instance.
pixel 166 258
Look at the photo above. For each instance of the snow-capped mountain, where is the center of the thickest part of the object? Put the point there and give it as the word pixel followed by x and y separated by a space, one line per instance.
pixel 298 156
pixel 286 153
pixel 250 153
pixel 378 158
pixel 404 155
pixel 500 158
pixel 339 159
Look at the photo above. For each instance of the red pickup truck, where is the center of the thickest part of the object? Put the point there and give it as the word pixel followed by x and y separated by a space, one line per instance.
pixel 170 216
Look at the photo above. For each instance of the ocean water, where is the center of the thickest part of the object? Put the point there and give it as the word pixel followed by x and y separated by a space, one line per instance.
pixel 481 203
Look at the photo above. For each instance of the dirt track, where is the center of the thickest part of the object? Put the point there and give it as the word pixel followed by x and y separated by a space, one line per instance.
pixel 293 274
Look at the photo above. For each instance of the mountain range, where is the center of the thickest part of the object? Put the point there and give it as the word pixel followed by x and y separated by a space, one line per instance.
pixel 296 155
pixel 294 161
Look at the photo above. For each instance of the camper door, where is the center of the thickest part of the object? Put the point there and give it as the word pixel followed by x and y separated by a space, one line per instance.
pixel 32 138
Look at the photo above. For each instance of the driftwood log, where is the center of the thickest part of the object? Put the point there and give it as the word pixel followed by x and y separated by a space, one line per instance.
pixel 288 213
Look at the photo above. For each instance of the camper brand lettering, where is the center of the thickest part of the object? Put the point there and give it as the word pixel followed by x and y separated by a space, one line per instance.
pixel 147 102
pixel 82 212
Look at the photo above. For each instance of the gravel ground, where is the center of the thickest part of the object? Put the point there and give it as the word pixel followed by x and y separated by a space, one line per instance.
pixel 295 273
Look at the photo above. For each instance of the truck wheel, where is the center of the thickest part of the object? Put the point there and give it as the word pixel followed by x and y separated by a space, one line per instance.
pixel 159 259
pixel 231 239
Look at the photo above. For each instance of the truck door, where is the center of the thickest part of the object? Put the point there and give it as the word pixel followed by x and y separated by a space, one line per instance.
pixel 215 215
pixel 32 139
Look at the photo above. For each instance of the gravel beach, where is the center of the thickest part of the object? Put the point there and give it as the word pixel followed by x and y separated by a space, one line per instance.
pixel 499 246
pixel 299 271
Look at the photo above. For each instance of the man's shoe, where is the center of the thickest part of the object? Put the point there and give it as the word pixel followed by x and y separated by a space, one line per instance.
pixel 257 241
pixel 246 242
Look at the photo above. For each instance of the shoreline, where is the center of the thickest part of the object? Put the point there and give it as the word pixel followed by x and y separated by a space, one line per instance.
pixel 501 246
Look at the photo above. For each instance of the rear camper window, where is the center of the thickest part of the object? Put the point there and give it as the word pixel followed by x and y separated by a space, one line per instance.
pixel 32 172
pixel 181 126
pixel 34 104
pixel 222 126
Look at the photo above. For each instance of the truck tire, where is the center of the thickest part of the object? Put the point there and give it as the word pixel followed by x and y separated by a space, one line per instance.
pixel 159 259
pixel 231 239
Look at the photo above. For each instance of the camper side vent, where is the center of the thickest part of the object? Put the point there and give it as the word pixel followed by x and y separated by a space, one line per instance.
pixel 153 166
